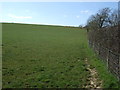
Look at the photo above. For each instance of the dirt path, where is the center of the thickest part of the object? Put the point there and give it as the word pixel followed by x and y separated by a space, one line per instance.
pixel 93 78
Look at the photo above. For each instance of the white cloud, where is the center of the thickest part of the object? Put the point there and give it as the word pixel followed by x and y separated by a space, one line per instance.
pixel 88 12
pixel 27 10
pixel 65 16
pixel 77 16
pixel 19 17
pixel 84 11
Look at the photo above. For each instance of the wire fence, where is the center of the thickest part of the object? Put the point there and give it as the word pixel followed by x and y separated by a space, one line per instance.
pixel 111 58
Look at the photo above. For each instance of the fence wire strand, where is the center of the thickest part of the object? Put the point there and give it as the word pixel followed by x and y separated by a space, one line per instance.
pixel 111 58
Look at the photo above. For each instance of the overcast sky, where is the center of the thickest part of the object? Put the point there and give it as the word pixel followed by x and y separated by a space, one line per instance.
pixel 52 13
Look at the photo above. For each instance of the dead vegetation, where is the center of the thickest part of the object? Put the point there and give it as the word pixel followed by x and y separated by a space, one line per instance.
pixel 93 78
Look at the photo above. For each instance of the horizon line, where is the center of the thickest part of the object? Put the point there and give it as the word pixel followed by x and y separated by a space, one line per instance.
pixel 40 24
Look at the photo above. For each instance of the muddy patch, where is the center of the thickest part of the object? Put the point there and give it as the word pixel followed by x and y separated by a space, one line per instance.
pixel 93 79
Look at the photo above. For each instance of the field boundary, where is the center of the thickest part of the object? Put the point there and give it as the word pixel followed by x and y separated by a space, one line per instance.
pixel 111 58
pixel 0 55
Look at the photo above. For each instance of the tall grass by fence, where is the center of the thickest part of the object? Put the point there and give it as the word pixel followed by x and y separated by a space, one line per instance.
pixel 111 58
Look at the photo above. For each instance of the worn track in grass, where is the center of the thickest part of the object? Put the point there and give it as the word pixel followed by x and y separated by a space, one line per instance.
pixel 93 79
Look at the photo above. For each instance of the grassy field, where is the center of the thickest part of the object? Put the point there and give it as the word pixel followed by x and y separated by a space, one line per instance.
pixel 48 56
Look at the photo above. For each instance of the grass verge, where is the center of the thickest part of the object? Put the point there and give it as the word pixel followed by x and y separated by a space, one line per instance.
pixel 108 79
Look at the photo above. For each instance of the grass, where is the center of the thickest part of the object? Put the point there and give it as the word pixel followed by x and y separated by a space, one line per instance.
pixel 47 56
pixel 108 79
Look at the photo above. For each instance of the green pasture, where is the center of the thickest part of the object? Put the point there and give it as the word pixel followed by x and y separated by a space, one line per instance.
pixel 43 56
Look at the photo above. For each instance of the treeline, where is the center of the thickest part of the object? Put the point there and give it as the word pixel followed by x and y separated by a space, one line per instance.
pixel 103 29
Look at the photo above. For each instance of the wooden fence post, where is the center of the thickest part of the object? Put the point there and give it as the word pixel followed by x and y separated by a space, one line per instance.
pixel 108 52
pixel 119 36
pixel 98 48
pixel 119 72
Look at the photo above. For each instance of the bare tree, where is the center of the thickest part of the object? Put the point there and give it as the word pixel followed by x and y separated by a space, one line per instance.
pixel 80 26
pixel 103 17
pixel 99 20
pixel 91 23
pixel 113 19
